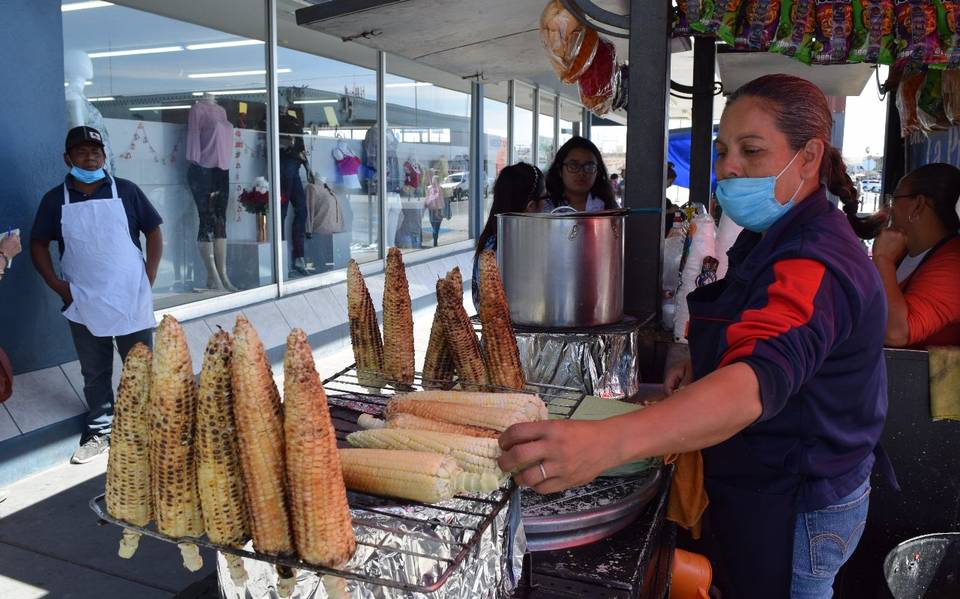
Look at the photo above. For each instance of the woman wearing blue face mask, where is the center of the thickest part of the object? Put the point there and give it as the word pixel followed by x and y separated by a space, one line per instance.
pixel 785 389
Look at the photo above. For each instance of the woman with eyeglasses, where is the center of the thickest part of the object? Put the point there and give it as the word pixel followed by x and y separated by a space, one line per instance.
pixel 578 179
pixel 918 257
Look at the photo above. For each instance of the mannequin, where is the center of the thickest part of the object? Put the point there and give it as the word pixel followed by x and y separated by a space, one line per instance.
pixel 209 139
pixel 77 70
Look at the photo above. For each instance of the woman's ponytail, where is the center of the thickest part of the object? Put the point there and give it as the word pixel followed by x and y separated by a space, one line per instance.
pixel 841 185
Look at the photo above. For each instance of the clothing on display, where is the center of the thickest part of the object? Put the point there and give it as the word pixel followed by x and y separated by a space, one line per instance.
pixel 324 210
pixel 291 187
pixel 412 174
pixel 370 157
pixel 211 192
pixel 209 135
pixel 348 165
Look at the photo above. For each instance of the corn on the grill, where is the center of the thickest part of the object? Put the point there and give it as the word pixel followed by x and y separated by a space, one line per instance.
pixel 364 330
pixel 460 336
pixel 491 418
pixel 322 528
pixel 218 462
pixel 397 321
pixel 256 408
pixel 173 466
pixel 499 343
pixel 438 366
pixel 531 405
pixel 416 475
pixel 128 466
pixel 411 422
pixel 471 453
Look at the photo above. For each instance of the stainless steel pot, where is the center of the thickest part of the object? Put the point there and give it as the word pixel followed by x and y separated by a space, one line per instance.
pixel 562 270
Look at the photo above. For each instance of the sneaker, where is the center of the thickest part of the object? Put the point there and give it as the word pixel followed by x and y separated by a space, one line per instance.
pixel 90 449
pixel 300 266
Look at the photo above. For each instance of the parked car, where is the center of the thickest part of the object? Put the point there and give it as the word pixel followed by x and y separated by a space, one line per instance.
pixel 457 186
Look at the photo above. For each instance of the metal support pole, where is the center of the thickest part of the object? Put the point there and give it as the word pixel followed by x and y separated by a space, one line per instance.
pixel 273 137
pixel 382 153
pixel 585 119
pixel 476 159
pixel 556 125
pixel 511 120
pixel 646 154
pixel 535 150
pixel 701 132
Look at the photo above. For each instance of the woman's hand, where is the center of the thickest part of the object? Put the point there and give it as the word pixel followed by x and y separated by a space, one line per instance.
pixel 678 376
pixel 572 453
pixel 10 246
pixel 891 244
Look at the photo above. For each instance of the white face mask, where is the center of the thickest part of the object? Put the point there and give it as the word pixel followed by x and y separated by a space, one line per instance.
pixel 957 208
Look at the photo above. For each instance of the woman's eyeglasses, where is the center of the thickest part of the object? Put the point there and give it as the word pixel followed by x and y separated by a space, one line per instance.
pixel 574 167
pixel 890 199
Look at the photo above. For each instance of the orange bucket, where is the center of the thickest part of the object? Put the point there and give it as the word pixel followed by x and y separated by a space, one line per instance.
pixel 691 576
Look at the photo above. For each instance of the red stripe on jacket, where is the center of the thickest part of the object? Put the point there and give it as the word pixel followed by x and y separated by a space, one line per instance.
pixel 789 305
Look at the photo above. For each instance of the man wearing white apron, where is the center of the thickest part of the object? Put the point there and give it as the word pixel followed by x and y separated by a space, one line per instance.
pixel 104 282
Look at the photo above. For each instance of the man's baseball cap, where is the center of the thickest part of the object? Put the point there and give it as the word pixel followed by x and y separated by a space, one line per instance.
pixel 83 134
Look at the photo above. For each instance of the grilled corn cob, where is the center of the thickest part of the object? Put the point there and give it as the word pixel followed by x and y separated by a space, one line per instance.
pixel 128 466
pixel 491 418
pixel 472 454
pixel 460 336
pixel 438 366
pixel 500 351
pixel 415 475
pixel 531 405
pixel 364 330
pixel 218 461
pixel 256 408
pixel 411 422
pixel 397 321
pixel 322 529
pixel 173 466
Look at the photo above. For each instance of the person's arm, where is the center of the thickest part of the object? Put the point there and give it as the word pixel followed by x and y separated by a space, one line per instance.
pixel 154 251
pixel 932 298
pixel 888 249
pixel 43 262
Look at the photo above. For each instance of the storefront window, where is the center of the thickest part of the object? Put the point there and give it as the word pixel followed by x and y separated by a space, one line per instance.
pixel 428 139
pixel 571 115
pixel 523 124
pixel 182 106
pixel 328 117
pixel 548 145
pixel 494 140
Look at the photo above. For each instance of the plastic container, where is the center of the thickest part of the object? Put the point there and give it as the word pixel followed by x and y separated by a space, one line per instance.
pixel 691 576
pixel 927 567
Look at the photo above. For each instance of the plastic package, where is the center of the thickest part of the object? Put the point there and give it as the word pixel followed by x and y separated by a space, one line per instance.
pixel 930 106
pixel 727 233
pixel 918 33
pixel 687 12
pixel 835 22
pixel 795 35
pixel 621 96
pixel 948 24
pixel 597 82
pixel 874 32
pixel 719 17
pixel 951 95
pixel 699 269
pixel 672 256
pixel 761 19
pixel 569 44
pixel 908 93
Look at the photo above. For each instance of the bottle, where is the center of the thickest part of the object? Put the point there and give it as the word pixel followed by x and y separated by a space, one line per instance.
pixel 672 256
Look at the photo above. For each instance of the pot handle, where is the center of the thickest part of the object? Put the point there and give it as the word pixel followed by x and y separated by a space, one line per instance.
pixel 560 209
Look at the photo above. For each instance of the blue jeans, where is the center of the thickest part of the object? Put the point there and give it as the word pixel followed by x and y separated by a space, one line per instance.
pixel 824 540
pixel 96 366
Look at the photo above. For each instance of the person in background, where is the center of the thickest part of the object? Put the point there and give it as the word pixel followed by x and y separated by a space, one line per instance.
pixel 518 188
pixel 615 184
pixel 578 179
pixel 435 205
pixel 918 258
pixel 104 281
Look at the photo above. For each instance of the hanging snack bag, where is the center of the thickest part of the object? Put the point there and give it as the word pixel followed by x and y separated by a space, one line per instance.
pixel 597 84
pixel 908 93
pixel 930 109
pixel 687 12
pixel 917 30
pixel 569 44
pixel 795 35
pixel 951 95
pixel 874 32
pixel 719 17
pixel 835 26
pixel 759 25
pixel 948 26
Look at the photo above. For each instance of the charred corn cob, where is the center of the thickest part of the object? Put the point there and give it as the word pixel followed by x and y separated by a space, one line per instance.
pixel 500 351
pixel 472 454
pixel 128 466
pixel 397 321
pixel 411 422
pixel 492 418
pixel 415 475
pixel 173 466
pixel 463 343
pixel 256 408
pixel 364 330
pixel 218 462
pixel 531 405
pixel 322 528
pixel 438 366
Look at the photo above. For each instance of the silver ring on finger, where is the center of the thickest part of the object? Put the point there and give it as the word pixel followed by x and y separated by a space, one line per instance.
pixel 543 472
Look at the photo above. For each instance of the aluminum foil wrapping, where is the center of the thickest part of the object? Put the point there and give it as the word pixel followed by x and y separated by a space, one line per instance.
pixel 601 363
pixel 490 571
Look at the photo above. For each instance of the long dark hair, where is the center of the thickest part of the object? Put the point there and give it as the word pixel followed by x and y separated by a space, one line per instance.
pixel 940 183
pixel 602 190
pixel 802 113
pixel 516 186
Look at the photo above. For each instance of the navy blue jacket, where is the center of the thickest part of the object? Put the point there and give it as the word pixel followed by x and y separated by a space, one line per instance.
pixel 805 309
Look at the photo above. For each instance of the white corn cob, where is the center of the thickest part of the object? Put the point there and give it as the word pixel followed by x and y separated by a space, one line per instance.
pixel 173 466
pixel 128 489
pixel 471 453
pixel 492 418
pixel 411 422
pixel 256 408
pixel 464 346
pixel 218 460
pixel 364 330
pixel 500 351
pixel 397 321
pixel 415 475
pixel 322 528
pixel 531 405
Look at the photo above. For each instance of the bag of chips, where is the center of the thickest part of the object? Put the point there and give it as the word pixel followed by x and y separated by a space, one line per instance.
pixel 569 44
pixel 795 35
pixel 930 109
pixel 597 85
pixel 917 30
pixel 908 93
pixel 761 18
pixel 948 25
pixel 687 13
pixel 720 18
pixel 951 95
pixel 874 32
pixel 835 26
